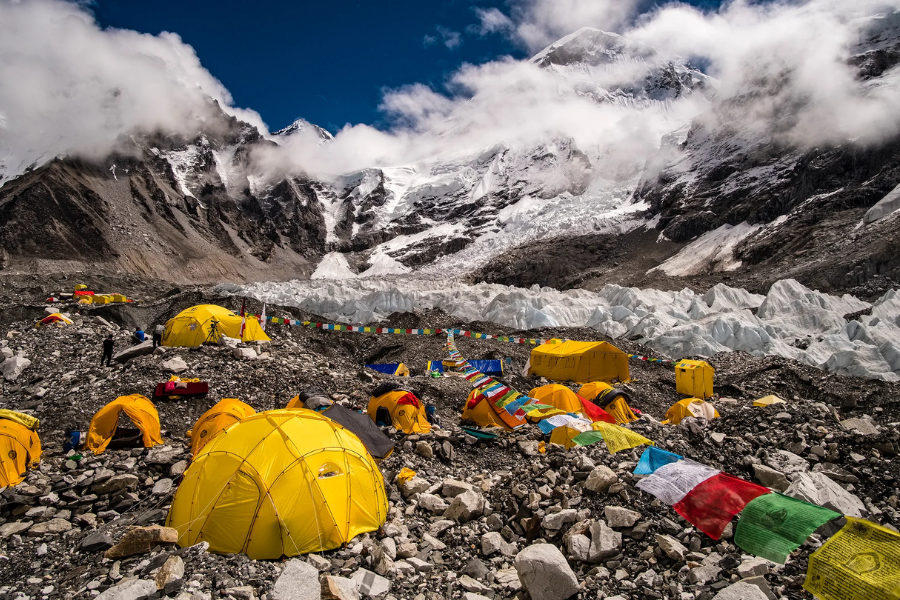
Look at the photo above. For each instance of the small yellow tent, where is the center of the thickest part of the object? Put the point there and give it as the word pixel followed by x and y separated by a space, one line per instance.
pixel 20 448
pixel 191 327
pixel 406 412
pixel 690 407
pixel 279 483
pixel 694 378
pixel 768 401
pixel 225 413
pixel 105 422
pixel 479 410
pixel 54 319
pixel 579 361
pixel 558 396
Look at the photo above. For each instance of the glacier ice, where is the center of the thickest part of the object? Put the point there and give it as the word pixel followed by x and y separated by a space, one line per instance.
pixel 791 320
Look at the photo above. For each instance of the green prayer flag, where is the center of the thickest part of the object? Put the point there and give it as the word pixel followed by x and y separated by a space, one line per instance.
pixel 773 525
pixel 587 438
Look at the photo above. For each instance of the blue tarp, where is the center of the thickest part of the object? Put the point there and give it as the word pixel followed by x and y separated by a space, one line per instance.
pixel 488 367
pixel 387 369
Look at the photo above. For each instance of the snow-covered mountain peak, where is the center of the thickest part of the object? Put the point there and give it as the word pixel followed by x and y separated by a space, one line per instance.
pixel 303 125
pixel 589 46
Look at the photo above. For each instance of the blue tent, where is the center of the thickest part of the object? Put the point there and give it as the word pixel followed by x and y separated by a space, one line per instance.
pixel 488 367
pixel 398 369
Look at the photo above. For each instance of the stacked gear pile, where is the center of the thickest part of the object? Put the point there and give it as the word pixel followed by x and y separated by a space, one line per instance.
pixel 279 483
pixel 207 323
pixel 20 446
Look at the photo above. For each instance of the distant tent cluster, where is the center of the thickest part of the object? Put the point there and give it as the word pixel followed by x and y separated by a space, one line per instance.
pixel 207 323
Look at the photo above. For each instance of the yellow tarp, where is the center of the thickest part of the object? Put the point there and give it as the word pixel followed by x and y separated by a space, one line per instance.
pixel 620 411
pixel 579 361
pixel 690 407
pixel 105 422
pixel 694 378
pixel 406 415
pixel 191 327
pixel 279 483
pixel 768 401
pixel 860 562
pixel 28 421
pixel 619 438
pixel 20 448
pixel 225 413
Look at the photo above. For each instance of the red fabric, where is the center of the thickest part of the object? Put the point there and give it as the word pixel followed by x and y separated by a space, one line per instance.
pixel 712 505
pixel 82 293
pixel 410 400
pixel 193 389
pixel 170 387
pixel 50 319
pixel 595 413
pixel 474 401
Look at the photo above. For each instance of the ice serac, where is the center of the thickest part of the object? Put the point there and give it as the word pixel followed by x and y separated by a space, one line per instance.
pixel 791 321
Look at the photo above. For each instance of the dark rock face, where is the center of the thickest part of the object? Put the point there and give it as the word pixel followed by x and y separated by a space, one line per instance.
pixel 164 206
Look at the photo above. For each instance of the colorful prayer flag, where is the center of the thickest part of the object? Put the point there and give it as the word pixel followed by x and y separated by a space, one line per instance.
pixel 772 526
pixel 671 483
pixel 653 458
pixel 713 503
pixel 860 562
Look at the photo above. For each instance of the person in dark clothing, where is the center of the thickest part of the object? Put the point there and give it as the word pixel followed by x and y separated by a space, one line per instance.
pixel 158 332
pixel 108 344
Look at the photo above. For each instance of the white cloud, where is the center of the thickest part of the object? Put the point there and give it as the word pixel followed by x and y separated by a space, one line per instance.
pixel 492 20
pixel 69 86
pixel 451 39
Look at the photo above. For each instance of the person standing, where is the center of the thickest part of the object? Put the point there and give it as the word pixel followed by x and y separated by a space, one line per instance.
pixel 108 344
pixel 158 332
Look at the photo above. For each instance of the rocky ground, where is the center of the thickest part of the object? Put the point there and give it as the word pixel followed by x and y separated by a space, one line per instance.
pixel 478 516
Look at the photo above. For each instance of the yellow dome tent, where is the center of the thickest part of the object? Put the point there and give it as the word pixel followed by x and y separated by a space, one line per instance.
pixel 690 407
pixel 54 318
pixel 20 448
pixel 407 413
pixel 605 397
pixel 106 421
pixel 479 410
pixel 694 378
pixel 225 413
pixel 279 483
pixel 191 327
pixel 579 361
pixel 558 396
pixel 768 401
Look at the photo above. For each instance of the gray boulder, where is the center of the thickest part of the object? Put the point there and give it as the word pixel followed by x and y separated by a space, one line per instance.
pixel 299 580
pixel 142 349
pixel 11 368
pixel 130 589
pixel 465 507
pixel 818 488
pixel 600 479
pixel 545 574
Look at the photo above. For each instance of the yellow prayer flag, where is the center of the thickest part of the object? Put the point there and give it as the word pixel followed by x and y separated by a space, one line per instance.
pixel 619 438
pixel 860 562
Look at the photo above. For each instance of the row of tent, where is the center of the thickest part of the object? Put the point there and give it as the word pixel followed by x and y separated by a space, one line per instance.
pixel 488 367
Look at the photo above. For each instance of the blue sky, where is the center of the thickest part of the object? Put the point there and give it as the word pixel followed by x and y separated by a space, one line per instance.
pixel 327 62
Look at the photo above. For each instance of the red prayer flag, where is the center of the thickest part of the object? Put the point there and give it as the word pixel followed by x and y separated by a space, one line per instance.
pixel 595 413
pixel 712 504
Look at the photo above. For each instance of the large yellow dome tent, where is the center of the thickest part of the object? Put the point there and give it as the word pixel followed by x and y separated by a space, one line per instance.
pixel 558 396
pixel 279 483
pixel 191 327
pixel 106 421
pixel 579 361
pixel 222 415
pixel 479 410
pixel 407 413
pixel 20 448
